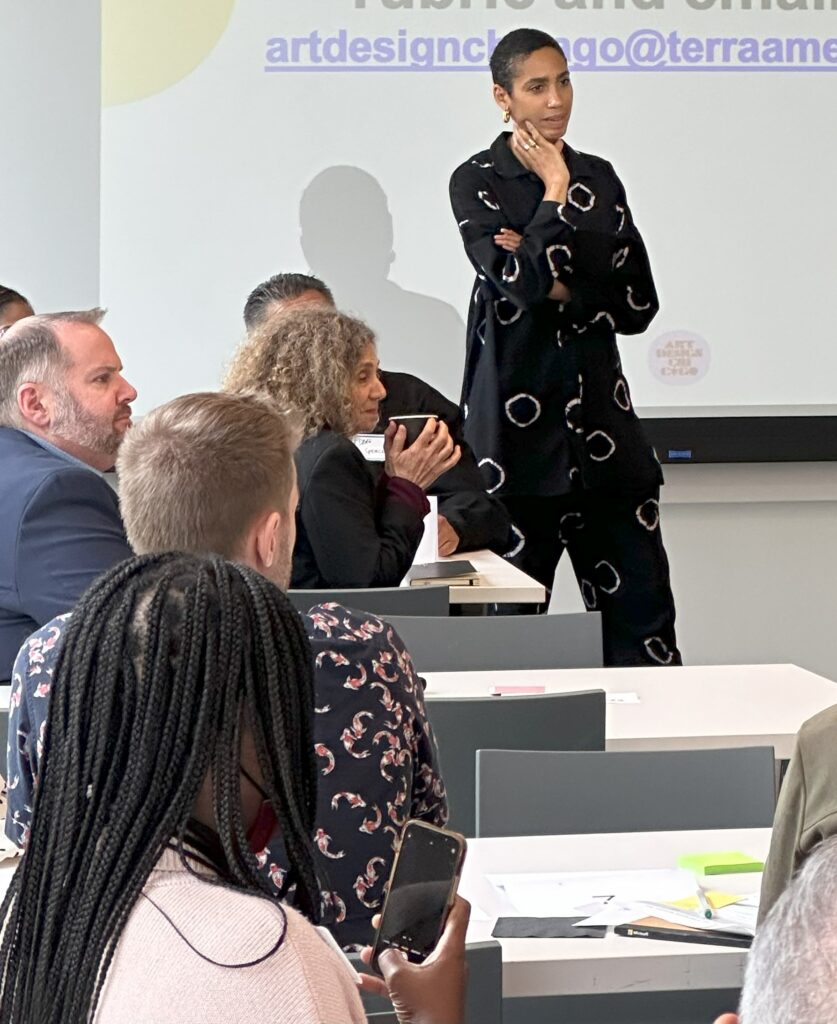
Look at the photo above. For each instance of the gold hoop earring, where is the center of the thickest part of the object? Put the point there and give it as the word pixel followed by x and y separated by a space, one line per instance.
pixel 506 116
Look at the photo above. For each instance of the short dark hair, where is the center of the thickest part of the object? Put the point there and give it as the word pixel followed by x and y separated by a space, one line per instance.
pixel 513 48
pixel 9 295
pixel 280 288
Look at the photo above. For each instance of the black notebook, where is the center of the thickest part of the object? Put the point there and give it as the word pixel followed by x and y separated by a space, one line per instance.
pixel 459 573
pixel 657 928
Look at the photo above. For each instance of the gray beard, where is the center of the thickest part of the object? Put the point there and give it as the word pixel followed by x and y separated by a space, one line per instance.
pixel 75 424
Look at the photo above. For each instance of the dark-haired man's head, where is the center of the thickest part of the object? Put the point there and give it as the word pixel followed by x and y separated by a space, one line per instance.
pixel 281 292
pixel 13 307
pixel 213 473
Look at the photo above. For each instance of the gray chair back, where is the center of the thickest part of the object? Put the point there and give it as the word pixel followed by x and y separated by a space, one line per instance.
pixel 537 793
pixel 471 643
pixel 484 1000
pixel 549 721
pixel 385 601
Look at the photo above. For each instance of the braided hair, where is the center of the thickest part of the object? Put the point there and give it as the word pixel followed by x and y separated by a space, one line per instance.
pixel 166 659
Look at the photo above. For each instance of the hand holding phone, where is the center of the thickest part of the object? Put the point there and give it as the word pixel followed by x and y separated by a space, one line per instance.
pixel 420 891
pixel 432 992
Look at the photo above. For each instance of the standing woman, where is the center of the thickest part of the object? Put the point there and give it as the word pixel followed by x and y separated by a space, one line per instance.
pixel 561 269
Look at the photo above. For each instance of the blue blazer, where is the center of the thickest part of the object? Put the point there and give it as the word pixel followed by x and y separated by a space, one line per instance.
pixel 59 529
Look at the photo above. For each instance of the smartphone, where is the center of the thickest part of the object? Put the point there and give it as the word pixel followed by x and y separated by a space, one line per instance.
pixel 422 887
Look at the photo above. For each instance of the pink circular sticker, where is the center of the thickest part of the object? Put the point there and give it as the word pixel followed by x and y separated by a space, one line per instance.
pixel 679 357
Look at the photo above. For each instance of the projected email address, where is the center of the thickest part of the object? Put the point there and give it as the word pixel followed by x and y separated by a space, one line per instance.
pixel 642 50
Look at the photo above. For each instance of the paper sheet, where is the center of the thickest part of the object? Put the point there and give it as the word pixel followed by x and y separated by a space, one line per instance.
pixel 568 894
pixel 629 697
pixel 428 550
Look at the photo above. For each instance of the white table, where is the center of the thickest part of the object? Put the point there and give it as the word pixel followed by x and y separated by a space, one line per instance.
pixel 690 707
pixel 614 964
pixel 500 582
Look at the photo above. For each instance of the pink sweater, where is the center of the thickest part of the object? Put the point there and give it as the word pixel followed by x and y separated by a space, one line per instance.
pixel 155 978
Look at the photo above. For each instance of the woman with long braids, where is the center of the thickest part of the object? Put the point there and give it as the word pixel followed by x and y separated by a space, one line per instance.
pixel 180 727
pixel 561 269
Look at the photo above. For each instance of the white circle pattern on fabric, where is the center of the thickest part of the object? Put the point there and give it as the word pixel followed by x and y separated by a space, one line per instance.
pixel 588 595
pixel 572 415
pixel 519 419
pixel 504 304
pixel 658 651
pixel 500 474
pixel 621 211
pixel 603 315
pixel 620 256
pixel 648 514
pixel 607 572
pixel 558 339
pixel 568 522
pixel 560 250
pixel 487 200
pixel 587 199
pixel 521 543
pixel 634 304
pixel 603 444
pixel 462 223
pixel 621 395
pixel 481 330
pixel 509 278
pixel 485 166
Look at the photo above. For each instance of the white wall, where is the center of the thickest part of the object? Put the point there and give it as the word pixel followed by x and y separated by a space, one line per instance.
pixel 49 152
pixel 753 552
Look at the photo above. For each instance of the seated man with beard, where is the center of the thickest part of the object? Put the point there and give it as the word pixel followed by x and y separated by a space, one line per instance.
pixel 64 409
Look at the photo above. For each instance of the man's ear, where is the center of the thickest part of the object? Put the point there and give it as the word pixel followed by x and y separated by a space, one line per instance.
pixel 32 405
pixel 501 97
pixel 266 537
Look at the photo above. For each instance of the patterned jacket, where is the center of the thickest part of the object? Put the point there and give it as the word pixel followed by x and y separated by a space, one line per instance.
pixel 378 757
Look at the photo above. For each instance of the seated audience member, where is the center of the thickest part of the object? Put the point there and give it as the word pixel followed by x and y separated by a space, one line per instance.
pixel 791 975
pixel 352 532
pixel 64 409
pixel 13 307
pixel 468 517
pixel 185 486
pixel 806 812
pixel 181 722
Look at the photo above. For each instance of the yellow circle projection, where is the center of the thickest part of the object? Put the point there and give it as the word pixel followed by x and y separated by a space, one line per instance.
pixel 149 45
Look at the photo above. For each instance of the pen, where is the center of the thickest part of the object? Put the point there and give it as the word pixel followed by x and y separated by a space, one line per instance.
pixel 703 903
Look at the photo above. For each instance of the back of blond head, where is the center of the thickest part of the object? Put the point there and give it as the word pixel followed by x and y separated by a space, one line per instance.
pixel 305 359
pixel 196 472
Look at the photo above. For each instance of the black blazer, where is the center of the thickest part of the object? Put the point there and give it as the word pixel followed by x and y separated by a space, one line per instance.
pixel 351 531
pixel 480 520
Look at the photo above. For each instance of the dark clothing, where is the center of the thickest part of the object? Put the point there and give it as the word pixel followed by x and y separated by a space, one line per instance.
pixel 614 542
pixel 547 408
pixel 59 529
pixel 480 520
pixel 352 531
pixel 377 756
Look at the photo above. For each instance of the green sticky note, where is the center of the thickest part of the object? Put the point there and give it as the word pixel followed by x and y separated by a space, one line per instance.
pixel 730 863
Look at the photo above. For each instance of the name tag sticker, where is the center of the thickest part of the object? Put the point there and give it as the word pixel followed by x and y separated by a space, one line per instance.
pixel 371 446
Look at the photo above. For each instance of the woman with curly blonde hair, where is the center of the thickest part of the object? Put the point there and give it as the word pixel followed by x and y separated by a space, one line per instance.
pixel 351 532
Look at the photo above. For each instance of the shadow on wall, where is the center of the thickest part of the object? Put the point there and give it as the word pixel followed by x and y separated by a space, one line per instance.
pixel 347 239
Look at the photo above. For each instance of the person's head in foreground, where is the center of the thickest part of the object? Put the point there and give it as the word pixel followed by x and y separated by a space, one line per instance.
pixel 184 703
pixel 213 472
pixel 13 307
pixel 61 380
pixel 532 83
pixel 283 292
pixel 318 362
pixel 791 975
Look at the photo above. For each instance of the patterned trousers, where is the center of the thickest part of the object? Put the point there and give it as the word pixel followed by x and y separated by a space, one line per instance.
pixel 616 548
